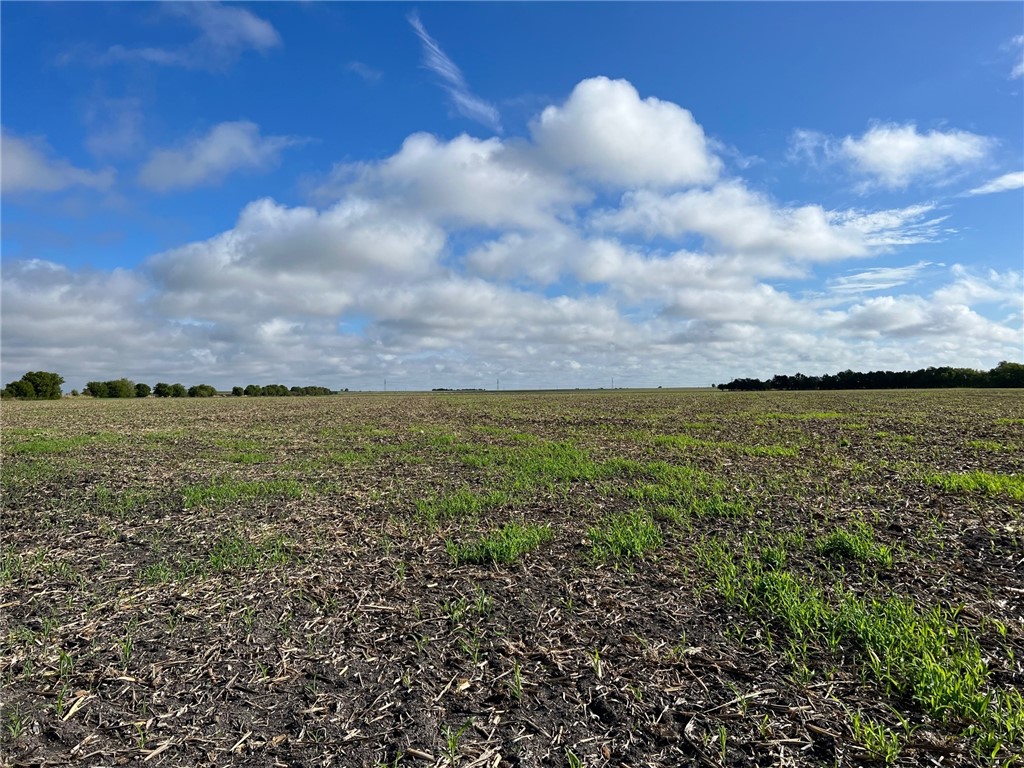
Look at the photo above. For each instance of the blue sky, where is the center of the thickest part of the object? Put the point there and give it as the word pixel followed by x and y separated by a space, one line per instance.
pixel 552 194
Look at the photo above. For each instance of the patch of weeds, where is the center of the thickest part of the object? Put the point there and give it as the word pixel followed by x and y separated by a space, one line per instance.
pixel 235 552
pixel 989 483
pixel 624 536
pixel 877 740
pixel 1010 422
pixel 249 457
pixel 856 543
pixel 42 444
pixel 230 552
pixel 461 504
pixel 991 446
pixel 924 654
pixel 121 505
pixel 685 441
pixel 225 491
pixel 506 545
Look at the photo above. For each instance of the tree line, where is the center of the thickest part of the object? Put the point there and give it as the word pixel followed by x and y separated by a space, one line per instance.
pixel 43 385
pixel 1005 374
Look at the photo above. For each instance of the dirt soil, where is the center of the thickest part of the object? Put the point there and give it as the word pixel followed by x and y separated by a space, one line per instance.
pixel 309 616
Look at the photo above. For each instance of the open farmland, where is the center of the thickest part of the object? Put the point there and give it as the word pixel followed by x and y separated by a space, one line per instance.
pixel 592 578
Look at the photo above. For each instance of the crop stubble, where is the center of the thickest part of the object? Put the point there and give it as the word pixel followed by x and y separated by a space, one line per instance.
pixel 271 581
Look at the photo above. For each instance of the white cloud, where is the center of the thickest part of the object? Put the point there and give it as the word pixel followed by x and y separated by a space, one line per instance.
pixel 29 166
pixel 465 101
pixel 607 133
pixel 454 262
pixel 1018 68
pixel 877 278
pixel 893 155
pixel 916 316
pixel 225 32
pixel 735 219
pixel 225 149
pixel 465 180
pixel 365 71
pixel 1007 181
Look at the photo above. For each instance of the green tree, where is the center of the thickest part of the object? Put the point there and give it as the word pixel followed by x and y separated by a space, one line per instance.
pixel 121 388
pixel 201 390
pixel 162 389
pixel 237 391
pixel 96 389
pixel 45 384
pixel 178 390
pixel 252 390
pixel 142 390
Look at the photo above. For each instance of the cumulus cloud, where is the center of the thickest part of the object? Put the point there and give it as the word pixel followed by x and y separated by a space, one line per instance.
pixel 1018 68
pixel 732 217
pixel 606 132
pixel 28 165
pixel 225 33
pixel 208 159
pixel 1008 181
pixel 465 101
pixel 893 155
pixel 469 181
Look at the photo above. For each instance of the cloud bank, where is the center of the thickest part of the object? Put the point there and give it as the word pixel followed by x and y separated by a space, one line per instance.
pixel 611 242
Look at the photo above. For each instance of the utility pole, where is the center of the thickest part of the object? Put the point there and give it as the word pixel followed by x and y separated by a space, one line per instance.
pixel 385 385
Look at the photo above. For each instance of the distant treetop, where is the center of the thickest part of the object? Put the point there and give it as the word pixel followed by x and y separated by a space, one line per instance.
pixel 1003 375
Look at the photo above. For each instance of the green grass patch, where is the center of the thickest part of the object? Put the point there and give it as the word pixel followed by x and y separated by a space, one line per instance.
pixel 991 446
pixel 41 444
pixel 855 543
pixel 230 552
pixel 249 457
pixel 683 442
pixel 624 536
pixel 222 492
pixel 458 505
pixel 920 653
pixel 503 546
pixel 988 483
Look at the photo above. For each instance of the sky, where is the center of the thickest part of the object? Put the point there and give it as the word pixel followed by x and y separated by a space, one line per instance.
pixel 523 195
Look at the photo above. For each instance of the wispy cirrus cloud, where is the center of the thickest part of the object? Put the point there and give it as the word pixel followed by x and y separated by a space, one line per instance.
pixel 1007 181
pixel 226 148
pixel 877 278
pixel 465 101
pixel 225 33
pixel 29 165
pixel 365 71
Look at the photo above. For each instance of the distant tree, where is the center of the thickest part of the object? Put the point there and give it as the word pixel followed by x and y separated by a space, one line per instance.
pixel 1007 375
pixel 35 385
pixel 142 390
pixel 96 389
pixel 121 388
pixel 20 389
pixel 45 384
pixel 237 391
pixel 162 389
pixel 252 390
pixel 74 393
pixel 178 390
pixel 201 390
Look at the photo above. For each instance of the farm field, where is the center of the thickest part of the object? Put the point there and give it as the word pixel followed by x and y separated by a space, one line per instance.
pixel 628 578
